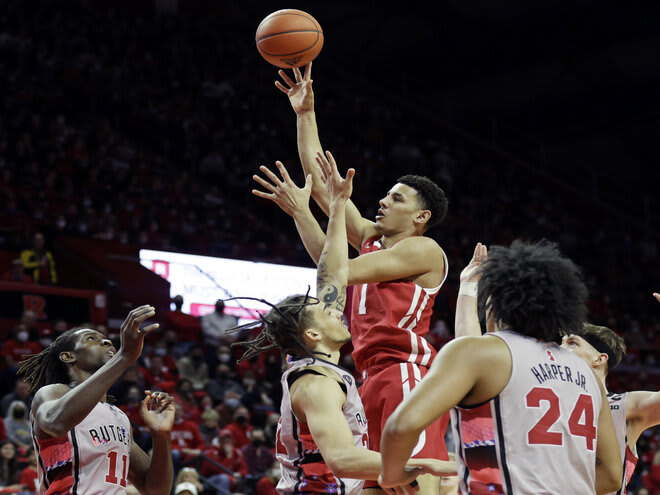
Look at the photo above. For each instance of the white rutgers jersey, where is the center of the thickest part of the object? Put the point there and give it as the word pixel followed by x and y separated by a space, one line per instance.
pixel 538 436
pixel 93 458
pixel 303 467
pixel 629 457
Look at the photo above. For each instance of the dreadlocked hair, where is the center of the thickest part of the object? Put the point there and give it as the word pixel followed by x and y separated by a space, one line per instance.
pixel 46 367
pixel 282 327
pixel 532 289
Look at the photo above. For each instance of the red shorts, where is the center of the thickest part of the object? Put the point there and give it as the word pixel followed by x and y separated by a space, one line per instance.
pixel 382 392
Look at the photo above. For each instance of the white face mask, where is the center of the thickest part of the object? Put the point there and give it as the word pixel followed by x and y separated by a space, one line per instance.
pixel 22 336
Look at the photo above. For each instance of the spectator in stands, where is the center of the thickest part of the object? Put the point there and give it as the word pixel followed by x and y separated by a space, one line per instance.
pixel 39 262
pixel 28 476
pixel 16 273
pixel 209 428
pixel 193 367
pixel 8 466
pixel 270 428
pixel 268 483
pixel 161 348
pixel 187 327
pixel 215 325
pixel 258 457
pixel 21 393
pixel 130 404
pixel 240 427
pixel 222 383
pixel 17 424
pixel 256 396
pixel 226 454
pixel 187 442
pixel 156 375
pixel 21 342
pixel 188 475
pixel 185 395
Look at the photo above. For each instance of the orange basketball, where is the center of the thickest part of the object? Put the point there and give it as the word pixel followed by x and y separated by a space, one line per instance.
pixel 289 38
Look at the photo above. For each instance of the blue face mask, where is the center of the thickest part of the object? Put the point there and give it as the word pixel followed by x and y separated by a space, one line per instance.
pixel 232 402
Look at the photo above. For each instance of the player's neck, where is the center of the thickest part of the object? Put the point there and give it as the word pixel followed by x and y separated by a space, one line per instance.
pixel 389 240
pixel 327 354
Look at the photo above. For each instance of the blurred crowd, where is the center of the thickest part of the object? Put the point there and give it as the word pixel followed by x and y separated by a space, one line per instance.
pixel 131 127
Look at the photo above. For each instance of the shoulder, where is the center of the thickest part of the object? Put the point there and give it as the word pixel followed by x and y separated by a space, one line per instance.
pixel 319 385
pixel 48 393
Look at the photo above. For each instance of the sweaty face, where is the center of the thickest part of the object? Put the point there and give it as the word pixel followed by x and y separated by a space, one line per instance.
pixel 398 210
pixel 92 349
pixel 580 347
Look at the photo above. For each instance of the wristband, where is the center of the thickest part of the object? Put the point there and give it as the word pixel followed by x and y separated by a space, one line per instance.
pixel 469 289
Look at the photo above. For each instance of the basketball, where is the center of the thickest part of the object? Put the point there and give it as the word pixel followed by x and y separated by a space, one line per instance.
pixel 289 38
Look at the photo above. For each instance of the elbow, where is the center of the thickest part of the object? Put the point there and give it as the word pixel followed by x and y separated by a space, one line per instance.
pixel 610 482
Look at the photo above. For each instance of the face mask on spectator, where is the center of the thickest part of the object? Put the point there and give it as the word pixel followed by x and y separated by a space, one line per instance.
pixel 22 336
pixel 19 413
pixel 224 357
pixel 241 420
pixel 257 442
pixel 232 402
pixel 160 352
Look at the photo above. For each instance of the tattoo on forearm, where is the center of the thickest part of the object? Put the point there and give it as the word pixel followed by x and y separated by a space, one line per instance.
pixel 332 295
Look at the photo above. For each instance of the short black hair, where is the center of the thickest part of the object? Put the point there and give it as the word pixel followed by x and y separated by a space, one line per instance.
pixel 533 290
pixel 431 197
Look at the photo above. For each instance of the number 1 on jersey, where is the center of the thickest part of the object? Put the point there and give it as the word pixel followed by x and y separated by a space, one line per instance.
pixel 362 308
pixel 111 477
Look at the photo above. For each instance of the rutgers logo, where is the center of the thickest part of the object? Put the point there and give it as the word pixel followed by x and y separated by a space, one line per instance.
pixel 32 302
pixel 550 355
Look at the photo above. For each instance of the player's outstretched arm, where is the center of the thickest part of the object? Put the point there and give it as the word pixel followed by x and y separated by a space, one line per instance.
pixel 317 400
pixel 332 272
pixel 467 317
pixel 301 96
pixel 294 201
pixel 58 408
pixel 153 475
pixel 409 257
pixel 642 412
pixel 609 468
pixel 451 378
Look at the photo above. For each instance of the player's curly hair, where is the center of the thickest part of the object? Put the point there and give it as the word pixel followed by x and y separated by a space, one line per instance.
pixel 46 367
pixel 532 289
pixel 282 327
pixel 431 197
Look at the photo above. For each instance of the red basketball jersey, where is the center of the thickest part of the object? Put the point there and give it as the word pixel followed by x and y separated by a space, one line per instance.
pixel 389 320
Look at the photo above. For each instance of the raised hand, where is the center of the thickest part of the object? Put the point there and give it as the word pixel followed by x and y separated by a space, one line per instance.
pixel 300 93
pixel 157 411
pixel 471 272
pixel 284 192
pixel 657 296
pixel 337 186
pixel 131 335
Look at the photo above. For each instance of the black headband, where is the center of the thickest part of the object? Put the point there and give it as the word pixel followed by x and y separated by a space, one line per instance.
pixel 601 346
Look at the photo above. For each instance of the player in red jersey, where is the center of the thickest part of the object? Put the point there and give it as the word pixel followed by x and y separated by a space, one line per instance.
pixel 83 443
pixel 396 278
pixel 322 434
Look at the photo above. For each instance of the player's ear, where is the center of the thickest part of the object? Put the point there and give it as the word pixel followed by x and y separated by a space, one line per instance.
pixel 312 334
pixel 67 357
pixel 423 216
pixel 602 359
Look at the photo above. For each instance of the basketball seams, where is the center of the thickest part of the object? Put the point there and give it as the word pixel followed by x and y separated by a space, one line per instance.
pixel 290 53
